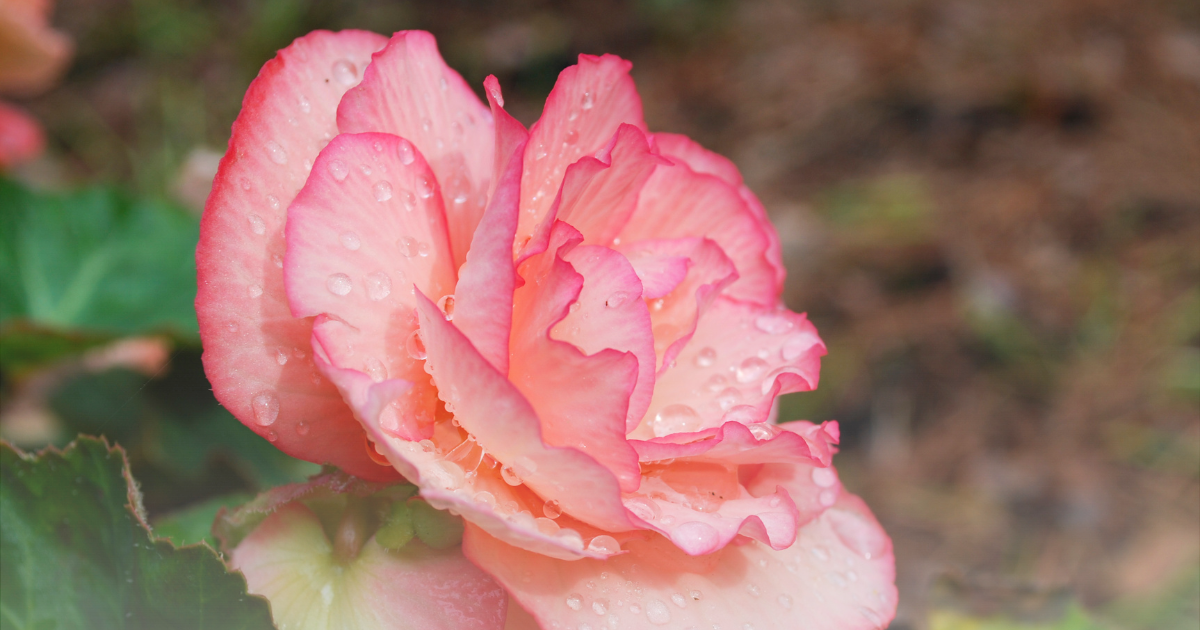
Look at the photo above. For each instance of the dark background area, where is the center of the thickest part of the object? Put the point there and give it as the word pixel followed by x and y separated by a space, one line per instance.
pixel 991 211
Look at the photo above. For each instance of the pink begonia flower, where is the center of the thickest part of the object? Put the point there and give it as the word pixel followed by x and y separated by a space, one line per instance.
pixel 571 335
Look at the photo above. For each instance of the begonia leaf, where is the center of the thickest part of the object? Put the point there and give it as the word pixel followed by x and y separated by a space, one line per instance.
pixel 76 552
pixel 95 262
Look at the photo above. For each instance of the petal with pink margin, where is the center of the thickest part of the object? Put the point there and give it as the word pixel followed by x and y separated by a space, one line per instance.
pixel 408 90
pixel 256 354
pixel 674 315
pixel 589 102
pixel 565 363
pixel 289 560
pixel 486 281
pixel 492 410
pixel 701 160
pixel 362 232
pixel 837 576
pixel 740 358
pixel 677 202
pixel 738 444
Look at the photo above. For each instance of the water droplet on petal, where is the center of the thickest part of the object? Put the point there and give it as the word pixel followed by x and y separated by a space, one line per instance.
pixel 599 607
pixel 404 150
pixel 273 202
pixel 706 357
pixel 762 431
pixel 446 304
pixel 539 151
pixel 587 101
pixel 281 357
pixel 379 286
pixel 424 187
pixel 604 544
pixel 257 225
pixel 657 612
pixel 376 370
pixel 510 476
pixel 695 537
pixel 751 370
pixel 255 291
pixel 426 125
pixel 552 509
pixel 408 246
pixel 338 169
pixel 339 284
pixel 575 601
pixel 350 241
pixel 305 106
pixel 729 397
pixel 572 137
pixel 675 419
pixel 618 298
pixel 383 191
pixel 272 436
pixel 824 477
pixel 486 498
pixel 266 408
pixel 827 497
pixel 415 346
pixel 302 428
pixel 423 249
pixel 773 323
pixel 276 153
pixel 345 72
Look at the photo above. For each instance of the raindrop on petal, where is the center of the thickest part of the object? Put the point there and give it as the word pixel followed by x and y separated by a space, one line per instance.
pixel 276 153
pixel 266 408
pixel 415 346
pixel 383 191
pixel 345 72
pixel 338 169
pixel 339 284
pixel 350 241
pixel 404 150
pixel 379 286
pixel 751 370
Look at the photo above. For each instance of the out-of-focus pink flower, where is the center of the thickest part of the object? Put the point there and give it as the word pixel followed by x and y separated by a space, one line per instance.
pixel 571 335
pixel 21 137
pixel 32 55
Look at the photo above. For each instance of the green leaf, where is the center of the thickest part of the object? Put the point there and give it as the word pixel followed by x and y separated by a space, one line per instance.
pixel 75 552
pixel 194 523
pixel 93 263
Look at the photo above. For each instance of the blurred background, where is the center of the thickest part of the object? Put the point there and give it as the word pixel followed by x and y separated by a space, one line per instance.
pixel 991 211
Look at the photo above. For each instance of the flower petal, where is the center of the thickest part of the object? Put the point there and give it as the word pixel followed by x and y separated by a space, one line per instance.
pixel 362 232
pixel 739 444
pixel 675 314
pixel 289 560
pixel 679 202
pixel 484 295
pixel 589 102
pixel 492 410
pixel 408 90
pixel 21 137
pixel 255 352
pixel 573 367
pixel 740 358
pixel 837 576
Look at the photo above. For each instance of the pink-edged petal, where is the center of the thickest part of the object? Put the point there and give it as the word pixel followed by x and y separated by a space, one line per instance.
pixel 701 160
pixel 574 367
pixel 675 314
pixel 408 90
pixel 256 354
pixel 588 103
pixel 21 137
pixel 492 410
pixel 366 228
pixel 837 576
pixel 738 444
pixel 740 358
pixel 484 295
pixel 678 202
pixel 289 560
pixel 701 513
pixel 601 207
pixel 660 274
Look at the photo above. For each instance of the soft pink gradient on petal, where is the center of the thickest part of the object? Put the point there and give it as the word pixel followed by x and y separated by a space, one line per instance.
pixel 674 315
pixel 581 399
pixel 740 358
pixel 837 576
pixel 484 295
pixel 738 444
pixel 678 202
pixel 408 90
pixel 362 232
pixel 289 559
pixel 602 206
pixel 588 103
pixel 492 410
pixel 256 354
pixel 21 137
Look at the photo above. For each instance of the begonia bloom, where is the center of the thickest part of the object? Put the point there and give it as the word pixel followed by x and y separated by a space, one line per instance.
pixel 571 335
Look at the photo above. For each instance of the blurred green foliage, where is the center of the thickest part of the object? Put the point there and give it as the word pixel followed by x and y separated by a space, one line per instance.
pixel 81 267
